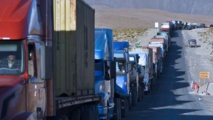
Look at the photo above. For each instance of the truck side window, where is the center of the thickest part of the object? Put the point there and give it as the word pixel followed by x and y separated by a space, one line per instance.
pixel 107 75
pixel 32 69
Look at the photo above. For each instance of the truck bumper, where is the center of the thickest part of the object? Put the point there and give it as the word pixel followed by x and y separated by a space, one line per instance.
pixel 146 86
pixel 105 112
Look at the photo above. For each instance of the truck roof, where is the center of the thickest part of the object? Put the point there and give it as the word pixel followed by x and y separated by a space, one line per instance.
pixel 162 40
pixel 103 38
pixel 14 18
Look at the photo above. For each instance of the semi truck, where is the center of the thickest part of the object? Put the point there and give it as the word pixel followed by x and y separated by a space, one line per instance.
pixel 159 42
pixel 123 75
pixel 166 41
pixel 105 75
pixel 166 26
pixel 145 61
pixel 157 61
pixel 167 36
pixel 134 75
pixel 53 43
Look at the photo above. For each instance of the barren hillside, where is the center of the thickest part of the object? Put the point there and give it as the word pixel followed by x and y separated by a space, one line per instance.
pixel 140 18
pixel 202 7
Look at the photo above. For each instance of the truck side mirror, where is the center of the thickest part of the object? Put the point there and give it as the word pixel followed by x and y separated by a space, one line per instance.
pixel 41 56
pixel 126 50
pixel 32 65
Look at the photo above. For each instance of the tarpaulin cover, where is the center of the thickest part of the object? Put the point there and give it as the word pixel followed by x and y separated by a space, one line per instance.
pixel 103 44
pixel 161 48
pixel 121 45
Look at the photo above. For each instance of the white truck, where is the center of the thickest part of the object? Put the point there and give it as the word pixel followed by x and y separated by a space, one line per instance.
pixel 144 61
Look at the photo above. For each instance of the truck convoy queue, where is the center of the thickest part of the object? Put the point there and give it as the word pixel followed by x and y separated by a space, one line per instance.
pixel 68 69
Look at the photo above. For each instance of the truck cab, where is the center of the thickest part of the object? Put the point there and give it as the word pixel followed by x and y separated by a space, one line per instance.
pixel 134 75
pixel 157 61
pixel 23 92
pixel 123 71
pixel 40 54
pixel 104 81
pixel 144 61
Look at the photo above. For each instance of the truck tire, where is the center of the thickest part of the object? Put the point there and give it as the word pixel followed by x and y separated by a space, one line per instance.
pixel 75 115
pixel 158 73
pixel 142 90
pixel 130 101
pixel 89 112
pixel 125 111
pixel 150 86
pixel 139 93
pixel 134 96
pixel 117 109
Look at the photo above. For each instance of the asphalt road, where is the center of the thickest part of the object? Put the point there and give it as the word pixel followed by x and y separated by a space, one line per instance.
pixel 170 98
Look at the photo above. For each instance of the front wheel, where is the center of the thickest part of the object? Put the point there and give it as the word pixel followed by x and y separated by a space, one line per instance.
pixel 89 112
pixel 117 114
pixel 125 110
pixel 139 93
pixel 134 97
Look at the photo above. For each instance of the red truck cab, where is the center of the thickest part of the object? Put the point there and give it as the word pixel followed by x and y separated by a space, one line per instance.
pixel 22 91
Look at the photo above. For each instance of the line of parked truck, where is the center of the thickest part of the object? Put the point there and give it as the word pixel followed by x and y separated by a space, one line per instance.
pixel 183 25
pixel 68 68
pixel 124 75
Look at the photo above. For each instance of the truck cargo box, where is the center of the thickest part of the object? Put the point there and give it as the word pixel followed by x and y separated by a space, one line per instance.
pixel 149 51
pixel 157 40
pixel 73 54
pixel 144 59
pixel 156 53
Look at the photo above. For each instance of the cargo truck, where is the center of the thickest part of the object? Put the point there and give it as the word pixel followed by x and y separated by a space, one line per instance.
pixel 105 75
pixel 159 42
pixel 166 41
pixel 145 60
pixel 134 75
pixel 53 42
pixel 123 75
pixel 133 79
pixel 167 36
pixel 166 27
pixel 157 61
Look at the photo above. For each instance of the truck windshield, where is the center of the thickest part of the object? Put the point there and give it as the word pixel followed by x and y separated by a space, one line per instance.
pixel 120 67
pixel 11 57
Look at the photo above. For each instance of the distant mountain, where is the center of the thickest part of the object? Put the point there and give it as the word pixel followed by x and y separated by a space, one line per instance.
pixel 200 7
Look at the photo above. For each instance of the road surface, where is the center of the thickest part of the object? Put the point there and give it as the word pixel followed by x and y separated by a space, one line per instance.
pixel 170 98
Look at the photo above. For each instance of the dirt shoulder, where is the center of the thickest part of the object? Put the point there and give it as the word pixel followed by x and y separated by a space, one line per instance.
pixel 199 59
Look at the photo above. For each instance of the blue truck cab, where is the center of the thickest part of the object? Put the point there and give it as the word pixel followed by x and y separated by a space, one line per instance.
pixel 123 75
pixel 104 81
